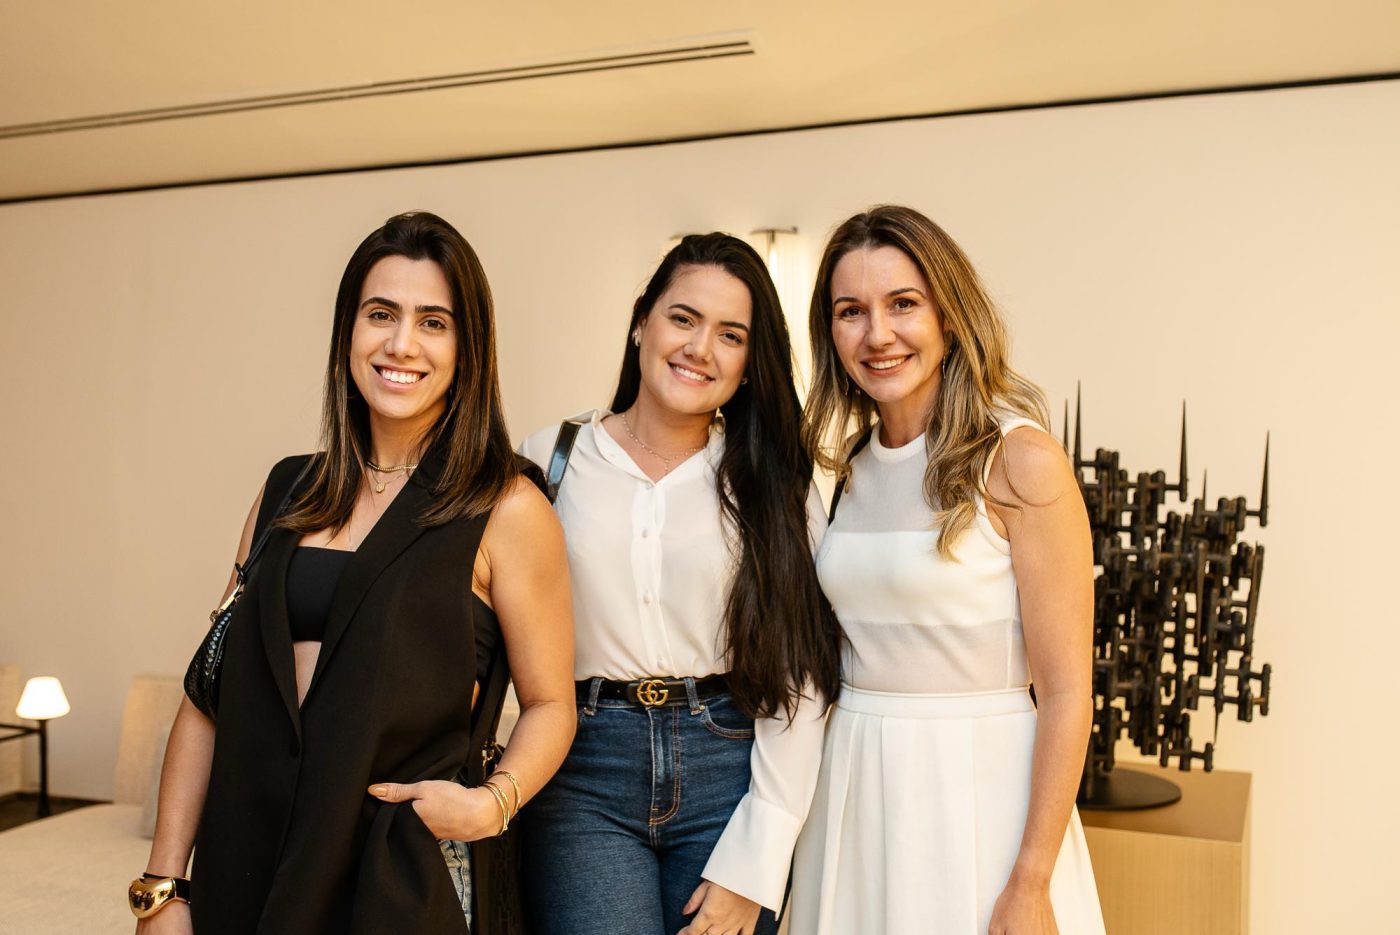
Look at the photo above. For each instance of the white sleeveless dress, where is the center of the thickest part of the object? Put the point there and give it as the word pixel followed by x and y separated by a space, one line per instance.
pixel 926 770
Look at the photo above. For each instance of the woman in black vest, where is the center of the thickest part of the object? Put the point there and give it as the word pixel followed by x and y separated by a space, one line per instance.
pixel 321 799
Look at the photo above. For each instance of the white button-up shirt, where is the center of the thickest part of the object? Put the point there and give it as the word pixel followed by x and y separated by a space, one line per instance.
pixel 651 564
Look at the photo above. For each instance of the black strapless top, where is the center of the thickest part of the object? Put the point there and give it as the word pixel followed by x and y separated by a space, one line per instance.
pixel 312 579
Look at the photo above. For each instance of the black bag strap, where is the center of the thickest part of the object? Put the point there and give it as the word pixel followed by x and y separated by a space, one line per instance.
pixel 841 487
pixel 262 527
pixel 493 697
pixel 559 458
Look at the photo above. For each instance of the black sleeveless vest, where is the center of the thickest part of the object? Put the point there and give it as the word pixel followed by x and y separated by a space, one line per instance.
pixel 290 841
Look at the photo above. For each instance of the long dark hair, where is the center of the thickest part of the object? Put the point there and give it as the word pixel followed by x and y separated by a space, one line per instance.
pixel 477 464
pixel 780 632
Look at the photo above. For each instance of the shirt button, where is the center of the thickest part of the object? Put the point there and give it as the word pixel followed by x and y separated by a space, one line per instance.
pixel 645 533
pixel 646 598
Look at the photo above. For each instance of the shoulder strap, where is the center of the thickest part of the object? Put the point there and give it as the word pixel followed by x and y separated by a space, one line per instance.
pixel 856 449
pixel 559 458
pixel 274 491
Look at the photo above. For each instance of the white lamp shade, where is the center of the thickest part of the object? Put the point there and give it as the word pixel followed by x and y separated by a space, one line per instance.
pixel 43 699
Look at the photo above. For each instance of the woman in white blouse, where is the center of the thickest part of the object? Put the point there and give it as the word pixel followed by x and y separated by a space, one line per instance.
pixel 959 564
pixel 698 618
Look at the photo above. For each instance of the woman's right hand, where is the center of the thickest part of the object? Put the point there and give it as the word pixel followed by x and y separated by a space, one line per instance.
pixel 173 919
pixel 451 811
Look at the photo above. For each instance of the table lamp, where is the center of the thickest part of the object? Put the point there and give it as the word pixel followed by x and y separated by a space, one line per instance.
pixel 42 701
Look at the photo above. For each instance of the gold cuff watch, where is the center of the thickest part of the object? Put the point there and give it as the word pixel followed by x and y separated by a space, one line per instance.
pixel 150 894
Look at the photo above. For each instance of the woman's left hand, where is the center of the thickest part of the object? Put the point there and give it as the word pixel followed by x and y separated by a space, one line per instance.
pixel 719 911
pixel 451 811
pixel 1023 909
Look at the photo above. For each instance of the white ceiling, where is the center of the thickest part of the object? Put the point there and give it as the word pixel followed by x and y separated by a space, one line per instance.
pixel 812 62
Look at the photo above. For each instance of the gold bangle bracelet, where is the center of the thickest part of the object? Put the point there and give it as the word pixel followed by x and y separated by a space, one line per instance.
pixel 502 793
pixel 500 798
pixel 515 784
pixel 148 894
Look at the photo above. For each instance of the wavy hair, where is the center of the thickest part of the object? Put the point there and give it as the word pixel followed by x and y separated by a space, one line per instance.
pixel 478 465
pixel 780 633
pixel 978 384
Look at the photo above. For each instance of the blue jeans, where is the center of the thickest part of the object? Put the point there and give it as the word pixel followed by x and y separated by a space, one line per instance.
pixel 616 842
pixel 458 857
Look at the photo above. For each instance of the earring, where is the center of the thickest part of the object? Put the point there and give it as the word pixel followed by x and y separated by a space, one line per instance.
pixel 743 381
pixel 637 338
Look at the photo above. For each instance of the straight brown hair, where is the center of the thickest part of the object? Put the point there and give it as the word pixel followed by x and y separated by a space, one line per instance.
pixel 477 463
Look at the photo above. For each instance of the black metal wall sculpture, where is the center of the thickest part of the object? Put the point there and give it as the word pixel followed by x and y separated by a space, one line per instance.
pixel 1175 603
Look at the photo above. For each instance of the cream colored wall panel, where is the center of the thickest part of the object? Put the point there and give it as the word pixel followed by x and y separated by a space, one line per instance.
pixel 12 751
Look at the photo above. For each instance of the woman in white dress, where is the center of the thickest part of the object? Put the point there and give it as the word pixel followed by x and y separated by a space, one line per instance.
pixel 959 564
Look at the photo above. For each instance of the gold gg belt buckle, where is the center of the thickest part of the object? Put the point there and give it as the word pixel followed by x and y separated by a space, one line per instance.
pixel 652 693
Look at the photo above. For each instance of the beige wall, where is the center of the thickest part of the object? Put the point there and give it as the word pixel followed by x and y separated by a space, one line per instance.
pixel 1238 251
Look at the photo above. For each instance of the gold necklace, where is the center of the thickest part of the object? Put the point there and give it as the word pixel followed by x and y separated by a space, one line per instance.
pixel 665 461
pixel 394 469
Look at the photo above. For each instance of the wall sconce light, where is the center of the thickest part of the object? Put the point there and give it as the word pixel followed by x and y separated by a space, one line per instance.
pixel 42 700
pixel 781 250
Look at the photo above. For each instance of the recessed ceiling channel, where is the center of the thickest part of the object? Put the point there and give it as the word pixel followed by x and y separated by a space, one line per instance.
pixel 729 46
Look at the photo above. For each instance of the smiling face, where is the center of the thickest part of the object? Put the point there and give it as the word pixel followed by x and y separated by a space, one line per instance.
pixel 403 348
pixel 887 331
pixel 695 341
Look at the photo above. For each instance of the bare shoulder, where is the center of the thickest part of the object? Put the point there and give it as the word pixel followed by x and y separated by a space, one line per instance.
pixel 257 505
pixel 1031 469
pixel 245 538
pixel 523 512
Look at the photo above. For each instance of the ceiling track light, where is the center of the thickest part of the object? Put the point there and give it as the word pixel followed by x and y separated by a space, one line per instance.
pixel 673 52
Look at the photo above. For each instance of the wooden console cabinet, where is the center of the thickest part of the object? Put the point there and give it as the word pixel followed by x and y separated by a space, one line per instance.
pixel 1182 869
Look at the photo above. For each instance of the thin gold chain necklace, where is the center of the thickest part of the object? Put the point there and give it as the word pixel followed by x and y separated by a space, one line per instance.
pixel 394 469
pixel 665 461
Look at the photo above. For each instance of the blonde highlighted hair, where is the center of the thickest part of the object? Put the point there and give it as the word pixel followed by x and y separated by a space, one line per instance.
pixel 978 388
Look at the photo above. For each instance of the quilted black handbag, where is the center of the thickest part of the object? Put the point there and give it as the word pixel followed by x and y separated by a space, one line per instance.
pixel 202 677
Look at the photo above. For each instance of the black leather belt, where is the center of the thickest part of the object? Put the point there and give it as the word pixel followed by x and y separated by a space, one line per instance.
pixel 651 693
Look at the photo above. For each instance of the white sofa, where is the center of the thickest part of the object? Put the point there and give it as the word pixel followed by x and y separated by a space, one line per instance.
pixel 67 875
